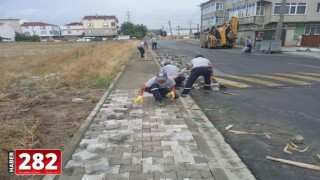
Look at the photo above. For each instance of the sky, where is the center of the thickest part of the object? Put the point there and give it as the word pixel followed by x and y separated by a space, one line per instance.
pixel 152 13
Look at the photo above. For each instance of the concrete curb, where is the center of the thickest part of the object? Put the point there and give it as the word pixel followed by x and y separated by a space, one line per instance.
pixel 224 162
pixel 73 144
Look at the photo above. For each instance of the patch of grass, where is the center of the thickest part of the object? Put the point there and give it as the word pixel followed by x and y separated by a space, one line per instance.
pixel 100 82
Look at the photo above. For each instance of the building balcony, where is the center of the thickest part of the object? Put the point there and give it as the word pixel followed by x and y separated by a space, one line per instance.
pixel 252 20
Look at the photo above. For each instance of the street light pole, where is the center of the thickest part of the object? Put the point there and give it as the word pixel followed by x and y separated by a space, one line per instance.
pixel 280 22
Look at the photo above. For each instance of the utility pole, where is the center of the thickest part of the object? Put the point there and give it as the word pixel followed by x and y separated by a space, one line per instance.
pixel 201 31
pixel 128 15
pixel 190 29
pixel 170 29
pixel 280 22
pixel 178 32
pixel 162 31
pixel 197 27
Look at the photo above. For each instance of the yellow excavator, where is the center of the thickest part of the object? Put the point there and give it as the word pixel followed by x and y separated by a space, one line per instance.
pixel 221 36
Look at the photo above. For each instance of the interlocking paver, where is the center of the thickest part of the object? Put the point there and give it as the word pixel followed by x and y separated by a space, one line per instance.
pixel 144 141
pixel 131 168
pixel 152 154
pixel 153 168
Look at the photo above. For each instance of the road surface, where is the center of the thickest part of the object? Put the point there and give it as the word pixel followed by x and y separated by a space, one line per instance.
pixel 276 94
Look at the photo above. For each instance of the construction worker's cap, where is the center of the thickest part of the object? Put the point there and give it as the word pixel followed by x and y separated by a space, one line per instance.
pixel 198 56
pixel 161 76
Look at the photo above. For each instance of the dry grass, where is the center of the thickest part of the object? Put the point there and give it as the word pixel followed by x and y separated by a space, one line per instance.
pixel 72 64
pixel 42 78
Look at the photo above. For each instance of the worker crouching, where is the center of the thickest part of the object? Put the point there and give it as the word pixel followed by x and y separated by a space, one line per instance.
pixel 160 87
pixel 199 66
pixel 173 72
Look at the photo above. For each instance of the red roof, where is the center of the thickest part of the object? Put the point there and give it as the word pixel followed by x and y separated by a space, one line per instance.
pixel 100 17
pixel 36 24
pixel 74 24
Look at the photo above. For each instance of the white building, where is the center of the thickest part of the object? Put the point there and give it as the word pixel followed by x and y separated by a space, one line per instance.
pixel 182 31
pixel 43 30
pixel 72 31
pixel 15 23
pixel 7 32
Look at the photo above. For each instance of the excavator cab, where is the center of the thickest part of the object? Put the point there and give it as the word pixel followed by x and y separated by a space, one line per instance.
pixel 223 35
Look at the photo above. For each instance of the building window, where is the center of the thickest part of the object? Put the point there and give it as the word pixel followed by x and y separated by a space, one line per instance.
pixel 291 8
pixel 312 29
pixel 42 28
pixel 260 9
pixel 318 8
pixel 106 24
pixel 212 7
pixel 69 32
pixel 43 32
pixel 68 27
pixel 27 33
pixel 90 24
pixel 246 10
pixel 113 24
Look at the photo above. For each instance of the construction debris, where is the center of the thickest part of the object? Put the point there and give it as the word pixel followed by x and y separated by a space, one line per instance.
pixel 294 163
pixel 297 139
pixel 318 156
pixel 229 127
pixel 286 149
pixel 304 150
pixel 245 133
pixel 293 144
pixel 294 147
pixel 268 136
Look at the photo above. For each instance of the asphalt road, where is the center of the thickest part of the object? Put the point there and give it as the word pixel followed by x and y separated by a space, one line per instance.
pixel 282 105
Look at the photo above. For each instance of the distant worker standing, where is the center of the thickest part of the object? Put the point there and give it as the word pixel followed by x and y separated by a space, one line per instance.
pixel 154 42
pixel 173 72
pixel 142 48
pixel 199 66
pixel 160 86
pixel 248 45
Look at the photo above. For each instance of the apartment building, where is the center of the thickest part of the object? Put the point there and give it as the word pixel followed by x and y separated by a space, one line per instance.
pixel 44 30
pixel 260 17
pixel 7 33
pixel 15 23
pixel 72 31
pixel 213 13
pixel 100 26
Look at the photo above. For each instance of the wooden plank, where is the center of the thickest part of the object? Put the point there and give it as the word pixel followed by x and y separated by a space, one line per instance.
pixel 294 163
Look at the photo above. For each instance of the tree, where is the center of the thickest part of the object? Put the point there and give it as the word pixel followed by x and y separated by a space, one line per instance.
pixel 128 28
pixel 23 37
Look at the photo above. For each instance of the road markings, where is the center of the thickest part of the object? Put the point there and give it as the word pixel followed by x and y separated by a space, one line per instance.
pixel 312 74
pixel 257 81
pixel 299 76
pixel 233 83
pixel 301 83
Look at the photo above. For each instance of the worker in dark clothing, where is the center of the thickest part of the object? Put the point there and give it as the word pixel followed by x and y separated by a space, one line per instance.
pixel 142 48
pixel 199 66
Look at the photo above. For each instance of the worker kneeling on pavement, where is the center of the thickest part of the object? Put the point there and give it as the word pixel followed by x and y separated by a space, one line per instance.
pixel 173 72
pixel 199 66
pixel 160 86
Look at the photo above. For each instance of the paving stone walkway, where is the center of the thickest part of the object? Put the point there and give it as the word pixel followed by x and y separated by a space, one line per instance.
pixel 144 141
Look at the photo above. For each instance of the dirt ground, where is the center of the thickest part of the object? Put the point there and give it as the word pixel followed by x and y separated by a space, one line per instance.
pixel 43 117
pixel 56 117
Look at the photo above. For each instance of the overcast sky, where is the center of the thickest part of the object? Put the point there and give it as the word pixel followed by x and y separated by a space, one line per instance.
pixel 152 13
